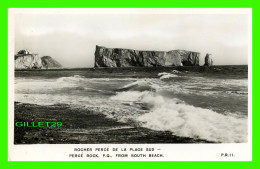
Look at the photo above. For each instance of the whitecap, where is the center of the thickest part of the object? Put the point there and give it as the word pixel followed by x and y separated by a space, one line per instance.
pixel 194 122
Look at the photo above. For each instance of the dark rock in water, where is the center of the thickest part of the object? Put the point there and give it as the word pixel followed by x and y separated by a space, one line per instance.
pixel 49 63
pixel 208 60
pixel 26 60
pixel 117 57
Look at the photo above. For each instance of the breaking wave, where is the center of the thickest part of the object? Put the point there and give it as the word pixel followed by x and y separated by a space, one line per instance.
pixel 165 75
pixel 185 120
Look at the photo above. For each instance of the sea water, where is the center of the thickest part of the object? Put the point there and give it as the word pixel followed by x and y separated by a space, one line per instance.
pixel 200 107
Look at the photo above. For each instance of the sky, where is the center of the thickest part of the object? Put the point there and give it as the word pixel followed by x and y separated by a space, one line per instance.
pixel 70 38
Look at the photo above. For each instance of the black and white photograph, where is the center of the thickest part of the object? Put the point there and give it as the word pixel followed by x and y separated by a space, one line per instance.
pixel 131 76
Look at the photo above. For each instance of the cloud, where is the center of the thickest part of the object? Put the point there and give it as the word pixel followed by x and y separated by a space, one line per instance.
pixel 71 38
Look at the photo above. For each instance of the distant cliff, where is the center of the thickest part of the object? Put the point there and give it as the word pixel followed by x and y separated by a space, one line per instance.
pixel 26 60
pixel 117 57
pixel 49 63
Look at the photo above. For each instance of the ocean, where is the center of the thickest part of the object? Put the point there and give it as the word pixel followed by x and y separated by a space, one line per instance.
pixel 201 103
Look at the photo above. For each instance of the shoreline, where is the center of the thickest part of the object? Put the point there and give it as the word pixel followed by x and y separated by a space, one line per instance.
pixel 158 67
pixel 81 126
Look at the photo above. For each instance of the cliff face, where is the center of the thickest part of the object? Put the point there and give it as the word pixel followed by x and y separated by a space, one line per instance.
pixel 116 57
pixel 28 61
pixel 49 63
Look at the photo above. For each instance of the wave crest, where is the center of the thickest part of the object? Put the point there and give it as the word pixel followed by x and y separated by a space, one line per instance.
pixel 165 75
pixel 184 120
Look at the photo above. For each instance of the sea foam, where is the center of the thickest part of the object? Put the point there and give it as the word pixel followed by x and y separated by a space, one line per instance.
pixel 186 120
pixel 165 75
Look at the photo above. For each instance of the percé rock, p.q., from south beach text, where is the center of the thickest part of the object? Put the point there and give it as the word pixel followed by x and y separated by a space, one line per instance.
pixel 27 60
pixel 117 57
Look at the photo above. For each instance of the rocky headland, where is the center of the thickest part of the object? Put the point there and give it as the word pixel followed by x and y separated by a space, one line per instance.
pixel 49 63
pixel 27 60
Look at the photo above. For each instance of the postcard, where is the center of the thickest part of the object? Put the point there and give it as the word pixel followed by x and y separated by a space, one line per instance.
pixel 130 84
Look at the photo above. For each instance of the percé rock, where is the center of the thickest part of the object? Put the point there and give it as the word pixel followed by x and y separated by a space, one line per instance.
pixel 26 60
pixel 117 57
pixel 49 63
pixel 208 60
